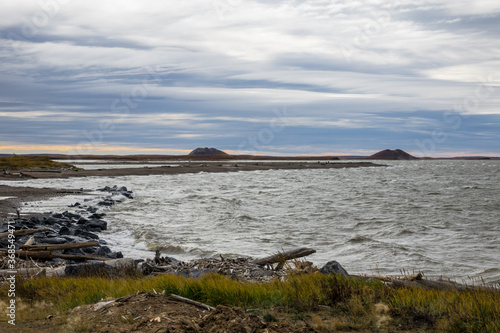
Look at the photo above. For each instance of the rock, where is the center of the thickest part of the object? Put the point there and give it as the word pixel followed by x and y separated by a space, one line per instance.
pixel 333 267
pixel 114 255
pixel 102 251
pixel 92 209
pixel 85 234
pixel 106 202
pixel 64 231
pixel 37 220
pixel 82 220
pixel 71 215
pixel 52 220
pixel 75 239
pixel 97 224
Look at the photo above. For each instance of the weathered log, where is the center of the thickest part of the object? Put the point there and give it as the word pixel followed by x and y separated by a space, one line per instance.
pixel 48 255
pixel 53 247
pixel 190 301
pixel 281 257
pixel 22 232
pixel 113 266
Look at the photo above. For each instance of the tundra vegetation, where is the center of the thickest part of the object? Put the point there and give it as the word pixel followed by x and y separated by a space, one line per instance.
pixel 327 303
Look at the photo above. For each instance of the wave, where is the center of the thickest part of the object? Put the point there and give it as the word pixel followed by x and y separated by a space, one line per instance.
pixel 360 239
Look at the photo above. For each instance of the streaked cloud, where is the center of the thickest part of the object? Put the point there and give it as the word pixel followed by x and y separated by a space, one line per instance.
pixel 336 76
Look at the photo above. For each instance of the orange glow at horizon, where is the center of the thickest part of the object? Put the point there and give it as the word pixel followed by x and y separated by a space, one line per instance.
pixel 90 150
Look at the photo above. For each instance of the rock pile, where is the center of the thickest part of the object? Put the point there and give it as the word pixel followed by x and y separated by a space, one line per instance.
pixel 63 228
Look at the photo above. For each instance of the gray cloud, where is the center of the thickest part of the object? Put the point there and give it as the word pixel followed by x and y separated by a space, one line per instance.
pixel 354 70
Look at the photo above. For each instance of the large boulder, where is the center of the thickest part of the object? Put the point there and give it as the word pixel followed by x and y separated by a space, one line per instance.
pixel 333 267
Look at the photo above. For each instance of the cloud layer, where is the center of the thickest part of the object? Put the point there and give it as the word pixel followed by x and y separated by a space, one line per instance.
pixel 275 77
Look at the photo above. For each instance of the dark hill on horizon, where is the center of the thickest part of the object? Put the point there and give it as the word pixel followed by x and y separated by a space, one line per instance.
pixel 206 151
pixel 388 154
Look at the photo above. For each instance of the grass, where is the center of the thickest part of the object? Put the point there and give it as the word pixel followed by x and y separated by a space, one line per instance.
pixel 16 163
pixel 329 303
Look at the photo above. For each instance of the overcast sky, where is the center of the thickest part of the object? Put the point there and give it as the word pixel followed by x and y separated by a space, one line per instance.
pixel 265 77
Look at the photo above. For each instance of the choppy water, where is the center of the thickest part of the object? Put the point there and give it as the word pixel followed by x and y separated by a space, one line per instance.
pixel 439 217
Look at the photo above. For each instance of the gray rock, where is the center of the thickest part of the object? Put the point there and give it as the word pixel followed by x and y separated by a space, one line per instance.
pixel 85 234
pixel 64 231
pixel 82 220
pixel 102 251
pixel 98 224
pixel 333 267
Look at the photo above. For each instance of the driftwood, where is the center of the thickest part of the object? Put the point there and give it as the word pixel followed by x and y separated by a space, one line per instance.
pixel 48 255
pixel 114 266
pixel 190 301
pixel 30 241
pixel 22 232
pixel 284 256
pixel 53 247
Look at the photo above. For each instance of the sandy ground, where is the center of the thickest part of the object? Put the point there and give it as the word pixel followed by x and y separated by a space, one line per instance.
pixel 191 167
pixel 19 195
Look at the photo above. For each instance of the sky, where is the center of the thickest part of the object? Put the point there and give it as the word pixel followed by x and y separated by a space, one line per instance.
pixel 251 77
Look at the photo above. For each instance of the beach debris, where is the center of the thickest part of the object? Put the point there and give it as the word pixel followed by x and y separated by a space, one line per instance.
pixel 243 269
pixel 238 268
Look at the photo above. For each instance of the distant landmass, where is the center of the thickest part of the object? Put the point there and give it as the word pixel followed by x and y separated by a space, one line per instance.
pixel 388 154
pixel 216 154
pixel 206 151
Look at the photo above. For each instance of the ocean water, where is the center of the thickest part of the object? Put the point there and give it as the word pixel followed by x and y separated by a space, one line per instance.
pixel 438 217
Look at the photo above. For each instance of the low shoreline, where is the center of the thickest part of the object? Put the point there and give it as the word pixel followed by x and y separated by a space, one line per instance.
pixel 187 167
pixel 16 196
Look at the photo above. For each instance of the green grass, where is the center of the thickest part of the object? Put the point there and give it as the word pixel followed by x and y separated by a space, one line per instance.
pixel 329 302
pixel 16 163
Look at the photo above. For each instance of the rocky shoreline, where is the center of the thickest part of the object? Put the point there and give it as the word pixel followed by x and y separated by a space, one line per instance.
pixel 82 226
pixel 82 251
